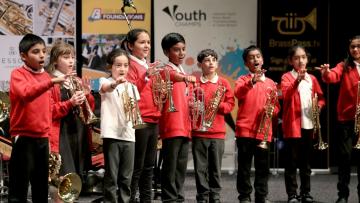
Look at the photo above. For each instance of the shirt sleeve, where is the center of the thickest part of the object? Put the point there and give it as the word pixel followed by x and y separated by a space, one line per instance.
pixel 228 103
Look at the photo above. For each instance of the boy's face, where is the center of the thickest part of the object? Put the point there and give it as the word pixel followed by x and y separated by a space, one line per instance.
pixel 65 63
pixel 35 57
pixel 176 53
pixel 254 60
pixel 120 66
pixel 208 65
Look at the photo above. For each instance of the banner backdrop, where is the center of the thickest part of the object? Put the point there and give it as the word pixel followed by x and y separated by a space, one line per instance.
pixel 104 26
pixel 106 17
pixel 227 26
pixel 283 24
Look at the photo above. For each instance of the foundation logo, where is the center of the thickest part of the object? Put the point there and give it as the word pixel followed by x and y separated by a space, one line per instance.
pixel 97 14
pixel 185 18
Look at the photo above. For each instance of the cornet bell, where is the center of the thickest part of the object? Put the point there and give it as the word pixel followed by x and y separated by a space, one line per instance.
pixel 69 187
pixel 357 146
pixel 323 146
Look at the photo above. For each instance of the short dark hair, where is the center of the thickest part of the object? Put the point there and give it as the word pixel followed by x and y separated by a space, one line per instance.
pixel 248 49
pixel 205 53
pixel 170 40
pixel 28 41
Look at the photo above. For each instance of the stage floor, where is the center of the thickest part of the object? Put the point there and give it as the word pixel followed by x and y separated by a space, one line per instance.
pixel 323 189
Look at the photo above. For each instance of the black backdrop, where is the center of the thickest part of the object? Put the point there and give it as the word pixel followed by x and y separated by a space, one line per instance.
pixel 325 33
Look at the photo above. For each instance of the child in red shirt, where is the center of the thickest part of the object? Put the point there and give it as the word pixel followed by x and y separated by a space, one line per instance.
pixel 175 127
pixel 347 74
pixel 30 122
pixel 137 42
pixel 208 146
pixel 253 91
pixel 298 88
pixel 70 134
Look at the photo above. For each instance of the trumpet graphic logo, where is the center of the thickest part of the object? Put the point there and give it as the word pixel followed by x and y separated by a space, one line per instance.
pixel 291 24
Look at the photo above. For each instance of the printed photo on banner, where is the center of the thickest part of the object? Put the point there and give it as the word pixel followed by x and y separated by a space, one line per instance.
pixel 16 17
pixel 54 18
pixel 104 26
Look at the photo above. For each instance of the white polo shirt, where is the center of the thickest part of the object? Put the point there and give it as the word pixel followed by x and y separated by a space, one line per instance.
pixel 305 91
pixel 113 122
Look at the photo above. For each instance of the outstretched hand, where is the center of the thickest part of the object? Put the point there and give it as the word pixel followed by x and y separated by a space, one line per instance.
pixel 189 78
pixel 120 79
pixel 257 75
pixel 324 68
pixel 86 85
pixel 301 74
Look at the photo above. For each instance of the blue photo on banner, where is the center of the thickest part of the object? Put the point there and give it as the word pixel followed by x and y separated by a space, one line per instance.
pixel 95 84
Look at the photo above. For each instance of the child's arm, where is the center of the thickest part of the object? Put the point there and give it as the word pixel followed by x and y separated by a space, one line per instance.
pixel 319 92
pixel 28 91
pixel 177 77
pixel 87 91
pixel 228 103
pixel 62 108
pixel 242 86
pixel 288 86
pixel 333 75
pixel 277 104
pixel 110 86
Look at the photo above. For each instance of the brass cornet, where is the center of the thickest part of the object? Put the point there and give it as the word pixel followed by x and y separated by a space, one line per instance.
pixel 159 87
pixel 131 108
pixel 162 89
pixel 197 109
pixel 321 145
pixel 69 187
pixel 84 110
pixel 4 111
pixel 169 89
pixel 357 118
pixel 266 117
pixel 212 107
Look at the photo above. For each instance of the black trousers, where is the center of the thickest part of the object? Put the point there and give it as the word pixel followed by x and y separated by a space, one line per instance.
pixel 29 162
pixel 346 139
pixel 119 164
pixel 207 155
pixel 175 156
pixel 298 153
pixel 74 147
pixel 145 153
pixel 247 149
